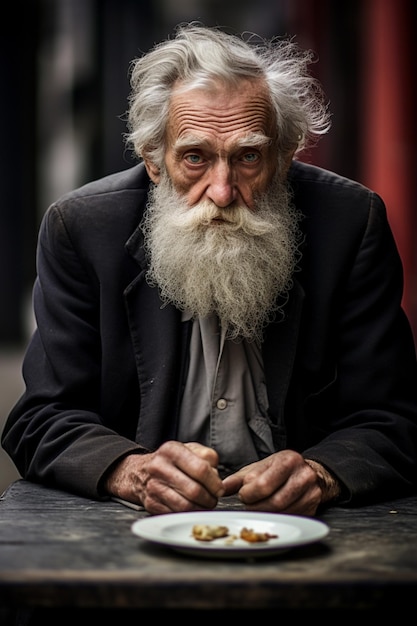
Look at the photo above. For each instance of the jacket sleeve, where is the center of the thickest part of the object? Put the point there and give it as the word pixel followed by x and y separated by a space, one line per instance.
pixel 56 433
pixel 366 418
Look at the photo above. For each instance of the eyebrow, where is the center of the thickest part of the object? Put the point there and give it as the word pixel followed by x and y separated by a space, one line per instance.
pixel 248 141
pixel 253 139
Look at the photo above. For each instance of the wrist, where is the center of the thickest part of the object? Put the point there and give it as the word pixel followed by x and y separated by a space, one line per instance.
pixel 329 485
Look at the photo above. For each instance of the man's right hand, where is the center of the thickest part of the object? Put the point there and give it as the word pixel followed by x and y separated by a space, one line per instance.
pixel 176 477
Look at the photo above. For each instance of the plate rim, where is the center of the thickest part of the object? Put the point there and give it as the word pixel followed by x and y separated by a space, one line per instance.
pixel 139 529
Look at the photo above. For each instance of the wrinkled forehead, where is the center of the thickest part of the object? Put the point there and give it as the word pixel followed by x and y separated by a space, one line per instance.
pixel 221 109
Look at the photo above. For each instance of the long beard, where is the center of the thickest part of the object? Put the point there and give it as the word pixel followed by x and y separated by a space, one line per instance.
pixel 240 268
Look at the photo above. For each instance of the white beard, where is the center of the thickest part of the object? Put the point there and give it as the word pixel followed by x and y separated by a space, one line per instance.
pixel 240 269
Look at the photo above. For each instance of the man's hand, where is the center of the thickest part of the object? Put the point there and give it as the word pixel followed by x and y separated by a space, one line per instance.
pixel 177 477
pixel 283 482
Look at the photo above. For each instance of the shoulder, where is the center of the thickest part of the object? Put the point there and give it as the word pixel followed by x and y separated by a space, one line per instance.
pixel 130 183
pixel 310 182
pixel 109 208
pixel 119 195
pixel 323 195
pixel 304 175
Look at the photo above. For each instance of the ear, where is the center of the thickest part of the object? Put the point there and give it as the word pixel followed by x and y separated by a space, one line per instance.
pixel 153 171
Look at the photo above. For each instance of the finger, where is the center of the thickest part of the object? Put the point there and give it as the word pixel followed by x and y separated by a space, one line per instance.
pixel 179 468
pixel 204 452
pixel 163 498
pixel 243 479
pixel 264 478
pixel 233 483
pixel 299 491
pixel 280 502
pixel 200 463
pixel 259 483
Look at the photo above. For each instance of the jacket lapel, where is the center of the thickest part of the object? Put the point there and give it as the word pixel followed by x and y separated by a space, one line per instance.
pixel 156 338
pixel 279 352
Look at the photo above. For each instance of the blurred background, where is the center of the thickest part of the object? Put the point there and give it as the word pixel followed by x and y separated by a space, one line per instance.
pixel 64 77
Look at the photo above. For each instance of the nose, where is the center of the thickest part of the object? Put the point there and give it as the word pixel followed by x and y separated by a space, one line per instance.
pixel 221 189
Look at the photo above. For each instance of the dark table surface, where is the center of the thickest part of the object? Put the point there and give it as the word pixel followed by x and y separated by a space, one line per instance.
pixel 59 550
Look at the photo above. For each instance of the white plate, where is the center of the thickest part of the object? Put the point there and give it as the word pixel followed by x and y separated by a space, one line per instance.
pixel 174 530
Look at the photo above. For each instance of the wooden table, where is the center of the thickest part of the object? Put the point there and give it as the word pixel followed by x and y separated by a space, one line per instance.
pixel 60 550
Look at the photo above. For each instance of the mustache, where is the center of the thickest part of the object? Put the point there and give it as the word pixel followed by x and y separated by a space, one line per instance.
pixel 234 218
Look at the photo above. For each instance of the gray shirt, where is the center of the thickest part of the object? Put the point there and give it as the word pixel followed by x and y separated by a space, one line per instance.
pixel 225 402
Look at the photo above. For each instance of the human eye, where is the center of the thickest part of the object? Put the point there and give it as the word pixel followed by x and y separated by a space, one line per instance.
pixel 193 158
pixel 250 157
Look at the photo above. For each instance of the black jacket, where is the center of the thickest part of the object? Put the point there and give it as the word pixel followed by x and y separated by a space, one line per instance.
pixel 103 369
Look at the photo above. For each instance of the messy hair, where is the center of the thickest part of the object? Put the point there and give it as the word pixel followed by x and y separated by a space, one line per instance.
pixel 197 57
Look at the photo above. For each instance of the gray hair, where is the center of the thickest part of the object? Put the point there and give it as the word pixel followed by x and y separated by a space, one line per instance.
pixel 197 56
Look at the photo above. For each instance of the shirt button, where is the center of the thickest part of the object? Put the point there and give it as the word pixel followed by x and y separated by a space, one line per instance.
pixel 221 403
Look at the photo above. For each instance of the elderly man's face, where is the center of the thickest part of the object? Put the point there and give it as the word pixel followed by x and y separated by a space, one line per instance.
pixel 219 231
pixel 220 145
